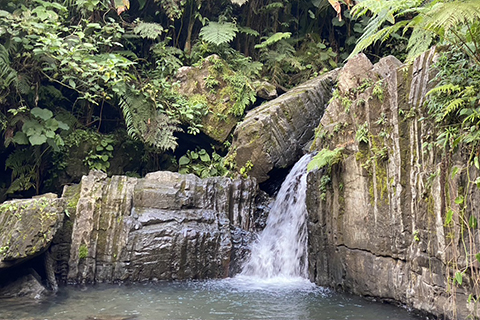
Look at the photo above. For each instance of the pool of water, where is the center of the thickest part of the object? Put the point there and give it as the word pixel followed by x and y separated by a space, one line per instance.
pixel 236 298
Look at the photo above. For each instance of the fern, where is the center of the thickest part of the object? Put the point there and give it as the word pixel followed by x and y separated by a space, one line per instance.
pixel 173 8
pixel 23 167
pixel 324 158
pixel 148 30
pixel 7 74
pixel 434 19
pixel 144 122
pixel 276 37
pixel 160 132
pixel 446 88
pixel 453 106
pixel 218 32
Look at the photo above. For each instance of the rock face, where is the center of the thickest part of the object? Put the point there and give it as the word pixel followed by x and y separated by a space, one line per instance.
pixel 377 219
pixel 165 226
pixel 274 134
pixel 27 228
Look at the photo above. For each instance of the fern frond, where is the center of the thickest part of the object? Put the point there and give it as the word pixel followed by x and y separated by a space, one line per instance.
pixel 148 30
pixel 373 35
pixel 453 106
pixel 248 31
pixel 160 132
pixel 276 37
pixel 325 157
pixel 144 122
pixel 448 15
pixel 7 74
pixel 218 33
pixel 446 88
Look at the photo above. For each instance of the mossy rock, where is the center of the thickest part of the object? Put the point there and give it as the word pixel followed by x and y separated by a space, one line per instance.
pixel 27 227
pixel 208 83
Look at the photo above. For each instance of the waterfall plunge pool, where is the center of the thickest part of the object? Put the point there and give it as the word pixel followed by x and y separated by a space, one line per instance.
pixel 235 298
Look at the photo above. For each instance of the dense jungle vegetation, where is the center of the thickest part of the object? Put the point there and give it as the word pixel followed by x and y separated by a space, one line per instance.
pixel 90 84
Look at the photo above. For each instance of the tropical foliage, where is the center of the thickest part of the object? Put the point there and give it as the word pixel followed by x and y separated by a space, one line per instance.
pixel 424 23
pixel 108 68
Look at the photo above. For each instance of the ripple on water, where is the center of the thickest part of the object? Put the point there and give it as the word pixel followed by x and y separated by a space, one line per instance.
pixel 235 298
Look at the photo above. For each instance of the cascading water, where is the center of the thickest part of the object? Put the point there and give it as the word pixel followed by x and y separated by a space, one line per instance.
pixel 281 248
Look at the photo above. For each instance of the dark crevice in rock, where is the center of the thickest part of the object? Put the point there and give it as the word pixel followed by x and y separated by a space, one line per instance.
pixel 372 253
pixel 273 184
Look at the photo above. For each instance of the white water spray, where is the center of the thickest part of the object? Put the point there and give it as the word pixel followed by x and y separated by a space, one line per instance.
pixel 280 251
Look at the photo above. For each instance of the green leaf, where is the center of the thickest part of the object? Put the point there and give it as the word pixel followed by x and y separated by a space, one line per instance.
pixel 472 222
pixel 273 39
pixel 194 155
pixel 72 84
pixel 37 139
pixel 459 200
pixel 43 114
pixel 51 124
pixel 454 172
pixel 50 134
pixel 477 256
pixel 105 157
pixel 459 277
pixel 63 125
pixel 109 148
pixel 218 33
pixel 448 217
pixel 20 138
pixel 205 157
pixel 184 160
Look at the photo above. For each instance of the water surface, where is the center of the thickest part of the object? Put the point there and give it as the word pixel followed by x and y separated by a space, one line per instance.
pixel 236 298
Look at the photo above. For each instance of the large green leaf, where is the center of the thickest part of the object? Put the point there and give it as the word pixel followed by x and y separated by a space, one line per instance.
pixel 184 160
pixel 31 127
pixel 37 139
pixel 20 138
pixel 218 33
pixel 43 114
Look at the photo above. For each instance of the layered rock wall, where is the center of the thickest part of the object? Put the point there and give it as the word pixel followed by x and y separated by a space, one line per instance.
pixel 377 219
pixel 162 227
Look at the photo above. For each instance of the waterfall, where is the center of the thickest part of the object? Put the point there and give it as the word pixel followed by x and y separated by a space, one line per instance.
pixel 281 248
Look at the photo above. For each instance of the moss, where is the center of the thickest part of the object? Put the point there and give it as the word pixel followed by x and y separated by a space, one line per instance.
pixel 82 252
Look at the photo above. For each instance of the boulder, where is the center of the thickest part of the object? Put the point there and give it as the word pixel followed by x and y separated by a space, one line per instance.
pixel 162 227
pixel 27 286
pixel 274 134
pixel 210 83
pixel 27 227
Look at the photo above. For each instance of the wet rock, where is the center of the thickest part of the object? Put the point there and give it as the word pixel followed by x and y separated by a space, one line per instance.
pixel 27 286
pixel 27 227
pixel 274 134
pixel 377 228
pixel 265 90
pixel 162 227
pixel 241 248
